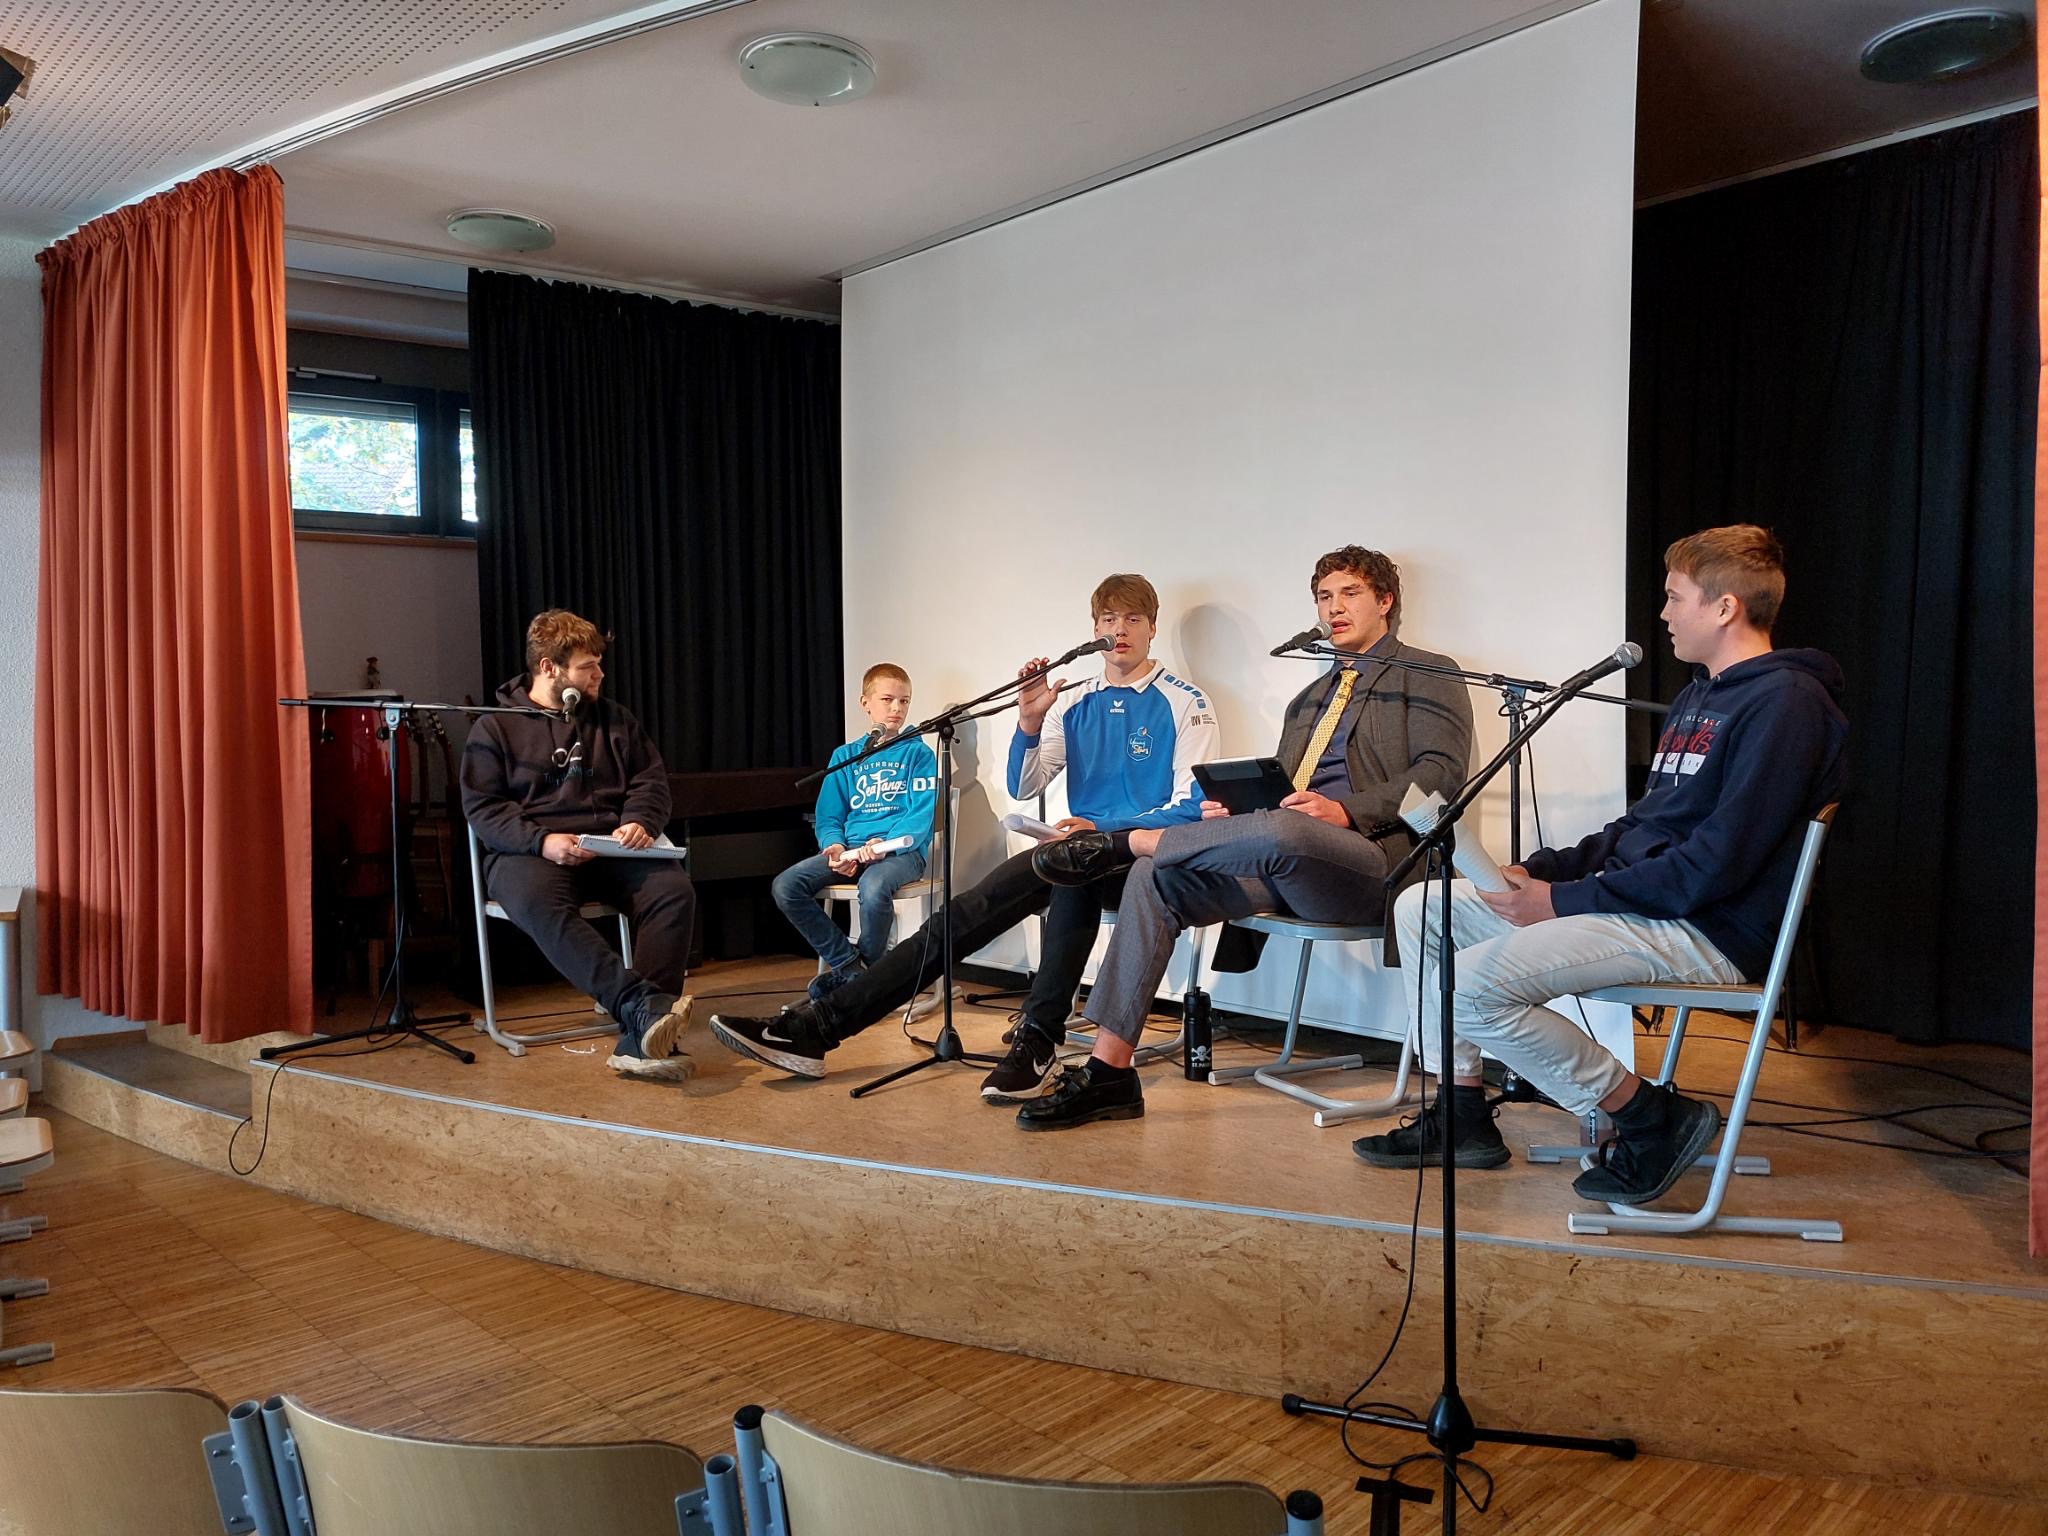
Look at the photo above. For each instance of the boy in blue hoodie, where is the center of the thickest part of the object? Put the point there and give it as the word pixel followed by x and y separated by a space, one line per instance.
pixel 1689 886
pixel 879 800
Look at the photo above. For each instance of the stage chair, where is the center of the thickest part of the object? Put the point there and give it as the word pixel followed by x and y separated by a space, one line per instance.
pixel 798 1482
pixel 1761 1002
pixel 343 1481
pixel 487 909
pixel 920 895
pixel 1198 946
pixel 111 1463
pixel 1275 1074
pixel 13 1097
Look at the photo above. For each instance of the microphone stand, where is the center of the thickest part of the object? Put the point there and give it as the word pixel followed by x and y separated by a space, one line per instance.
pixel 1450 1427
pixel 400 1020
pixel 945 725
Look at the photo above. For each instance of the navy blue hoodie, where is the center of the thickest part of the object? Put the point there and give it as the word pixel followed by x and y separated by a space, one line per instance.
pixel 1745 760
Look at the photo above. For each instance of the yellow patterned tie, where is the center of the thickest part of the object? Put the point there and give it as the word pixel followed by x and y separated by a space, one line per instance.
pixel 1319 740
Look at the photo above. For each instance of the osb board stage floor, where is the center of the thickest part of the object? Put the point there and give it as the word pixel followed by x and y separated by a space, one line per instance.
pixel 1225 1241
pixel 168 1275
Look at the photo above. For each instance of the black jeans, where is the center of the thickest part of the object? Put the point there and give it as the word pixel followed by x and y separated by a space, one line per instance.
pixel 979 915
pixel 655 894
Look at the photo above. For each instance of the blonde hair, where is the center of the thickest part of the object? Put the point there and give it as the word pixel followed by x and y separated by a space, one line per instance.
pixel 881 669
pixel 1125 592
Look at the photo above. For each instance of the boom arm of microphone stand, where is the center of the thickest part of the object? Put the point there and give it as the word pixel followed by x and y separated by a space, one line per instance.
pixel 1493 680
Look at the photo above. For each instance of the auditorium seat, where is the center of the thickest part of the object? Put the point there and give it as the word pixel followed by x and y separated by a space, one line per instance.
pixel 825 1487
pixel 108 1463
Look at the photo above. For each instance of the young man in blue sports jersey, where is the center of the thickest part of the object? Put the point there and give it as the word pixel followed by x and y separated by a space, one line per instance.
pixel 881 799
pixel 1127 743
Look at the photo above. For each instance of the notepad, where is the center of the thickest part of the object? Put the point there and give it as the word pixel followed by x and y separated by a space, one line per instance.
pixel 612 848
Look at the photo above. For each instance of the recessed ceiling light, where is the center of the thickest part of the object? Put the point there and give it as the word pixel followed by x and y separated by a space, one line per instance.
pixel 807 69
pixel 495 229
pixel 1942 46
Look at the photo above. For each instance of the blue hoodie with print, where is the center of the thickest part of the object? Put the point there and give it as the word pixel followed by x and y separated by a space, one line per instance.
pixel 884 796
pixel 1745 760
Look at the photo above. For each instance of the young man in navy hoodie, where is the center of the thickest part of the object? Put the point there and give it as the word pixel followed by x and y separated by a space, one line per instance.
pixel 1690 886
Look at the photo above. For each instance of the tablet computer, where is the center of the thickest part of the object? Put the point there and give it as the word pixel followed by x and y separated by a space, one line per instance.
pixel 1242 784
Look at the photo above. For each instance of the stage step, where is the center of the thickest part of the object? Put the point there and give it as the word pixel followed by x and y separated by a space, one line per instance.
pixel 176 1103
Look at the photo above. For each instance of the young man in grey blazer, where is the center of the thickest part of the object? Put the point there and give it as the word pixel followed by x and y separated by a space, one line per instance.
pixel 1355 739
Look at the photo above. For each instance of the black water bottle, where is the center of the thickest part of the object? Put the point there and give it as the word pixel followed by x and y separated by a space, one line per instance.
pixel 1195 1060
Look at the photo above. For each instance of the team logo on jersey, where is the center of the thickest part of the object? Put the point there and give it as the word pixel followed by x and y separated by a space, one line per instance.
pixel 1141 744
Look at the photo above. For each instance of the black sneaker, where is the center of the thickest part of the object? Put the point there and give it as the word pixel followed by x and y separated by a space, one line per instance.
pixel 1025 1071
pixel 1420 1138
pixel 1078 1098
pixel 1638 1167
pixel 631 1058
pixel 792 1040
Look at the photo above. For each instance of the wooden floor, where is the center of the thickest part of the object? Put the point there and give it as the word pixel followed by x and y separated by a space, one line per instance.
pixel 166 1274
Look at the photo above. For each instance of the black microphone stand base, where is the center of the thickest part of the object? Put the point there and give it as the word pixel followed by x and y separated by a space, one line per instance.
pixel 944 1052
pixel 1452 1421
pixel 401 1021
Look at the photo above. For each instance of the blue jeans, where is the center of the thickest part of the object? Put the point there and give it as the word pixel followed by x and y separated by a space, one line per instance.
pixel 797 890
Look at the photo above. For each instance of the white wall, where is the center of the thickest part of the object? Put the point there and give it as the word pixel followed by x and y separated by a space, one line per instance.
pixel 412 606
pixel 1400 319
pixel 21 329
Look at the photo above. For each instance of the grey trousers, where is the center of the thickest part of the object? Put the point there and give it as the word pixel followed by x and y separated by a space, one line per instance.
pixel 1234 866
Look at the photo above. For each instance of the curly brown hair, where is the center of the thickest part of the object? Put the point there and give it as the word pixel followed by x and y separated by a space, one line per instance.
pixel 558 634
pixel 1371 567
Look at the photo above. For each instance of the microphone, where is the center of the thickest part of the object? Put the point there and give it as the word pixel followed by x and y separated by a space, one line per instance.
pixel 1626 654
pixel 571 697
pixel 1318 632
pixel 1103 644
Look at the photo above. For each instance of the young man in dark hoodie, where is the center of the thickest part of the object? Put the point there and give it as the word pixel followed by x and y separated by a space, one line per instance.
pixel 531 786
pixel 1690 886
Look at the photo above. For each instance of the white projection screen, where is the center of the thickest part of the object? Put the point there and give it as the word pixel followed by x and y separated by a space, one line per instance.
pixel 1397 319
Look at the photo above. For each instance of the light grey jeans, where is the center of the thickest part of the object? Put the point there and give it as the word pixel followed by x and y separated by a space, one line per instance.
pixel 1504 976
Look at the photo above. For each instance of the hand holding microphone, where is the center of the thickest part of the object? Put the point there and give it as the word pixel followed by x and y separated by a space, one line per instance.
pixel 1035 698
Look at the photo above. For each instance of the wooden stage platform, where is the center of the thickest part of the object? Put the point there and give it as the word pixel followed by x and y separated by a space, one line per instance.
pixel 1223 1240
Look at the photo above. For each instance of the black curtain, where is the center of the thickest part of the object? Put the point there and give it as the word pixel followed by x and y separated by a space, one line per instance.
pixel 1848 354
pixel 671 472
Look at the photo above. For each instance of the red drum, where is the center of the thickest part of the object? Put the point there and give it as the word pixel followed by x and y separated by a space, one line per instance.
pixel 352 800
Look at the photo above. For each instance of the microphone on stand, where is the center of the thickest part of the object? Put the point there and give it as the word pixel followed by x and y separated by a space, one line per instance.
pixel 1626 654
pixel 571 697
pixel 1319 632
pixel 1103 644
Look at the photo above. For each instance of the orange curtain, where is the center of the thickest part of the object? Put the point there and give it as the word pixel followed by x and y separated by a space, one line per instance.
pixel 173 851
pixel 2037 1224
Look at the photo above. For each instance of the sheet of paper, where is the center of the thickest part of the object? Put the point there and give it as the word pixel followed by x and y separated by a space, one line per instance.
pixel 612 848
pixel 1468 854
pixel 1030 826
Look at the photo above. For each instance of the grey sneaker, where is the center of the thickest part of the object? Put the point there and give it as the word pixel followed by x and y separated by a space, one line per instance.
pixel 629 1058
pixel 662 1023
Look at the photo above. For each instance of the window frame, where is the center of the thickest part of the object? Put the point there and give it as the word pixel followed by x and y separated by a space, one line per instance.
pixel 439 414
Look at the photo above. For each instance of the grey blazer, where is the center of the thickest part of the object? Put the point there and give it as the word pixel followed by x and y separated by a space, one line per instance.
pixel 1414 728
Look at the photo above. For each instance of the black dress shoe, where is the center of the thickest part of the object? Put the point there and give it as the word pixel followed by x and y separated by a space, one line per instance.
pixel 1080 1097
pixel 1079 858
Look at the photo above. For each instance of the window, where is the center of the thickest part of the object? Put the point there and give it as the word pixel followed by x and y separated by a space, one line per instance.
pixel 358 457
pixel 371 457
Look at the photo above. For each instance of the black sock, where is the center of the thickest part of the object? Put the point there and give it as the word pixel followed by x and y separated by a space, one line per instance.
pixel 1643 1114
pixel 1100 1071
pixel 1121 843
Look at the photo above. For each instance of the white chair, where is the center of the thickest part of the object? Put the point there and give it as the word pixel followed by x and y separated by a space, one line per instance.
pixel 1762 1003
pixel 1275 1074
pixel 486 909
pixel 920 897
pixel 796 1481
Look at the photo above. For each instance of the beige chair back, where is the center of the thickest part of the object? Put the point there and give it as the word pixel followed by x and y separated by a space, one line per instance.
pixel 365 1484
pixel 107 1463
pixel 835 1489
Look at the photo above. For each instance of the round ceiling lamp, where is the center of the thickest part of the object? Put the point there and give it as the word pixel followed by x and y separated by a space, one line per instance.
pixel 498 230
pixel 1943 46
pixel 807 69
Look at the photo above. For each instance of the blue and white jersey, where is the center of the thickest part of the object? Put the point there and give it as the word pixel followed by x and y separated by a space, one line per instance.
pixel 1129 752
pixel 884 796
